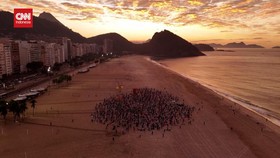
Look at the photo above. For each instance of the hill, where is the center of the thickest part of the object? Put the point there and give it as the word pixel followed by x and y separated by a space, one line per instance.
pixel 204 47
pixel 42 29
pixel 49 17
pixel 214 45
pixel 119 42
pixel 235 45
pixel 162 44
pixel 241 45
pixel 167 44
pixel 46 27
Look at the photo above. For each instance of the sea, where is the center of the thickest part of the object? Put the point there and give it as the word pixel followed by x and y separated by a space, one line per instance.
pixel 250 77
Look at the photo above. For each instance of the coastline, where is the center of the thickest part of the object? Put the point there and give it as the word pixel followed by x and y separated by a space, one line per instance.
pixel 257 110
pixel 219 128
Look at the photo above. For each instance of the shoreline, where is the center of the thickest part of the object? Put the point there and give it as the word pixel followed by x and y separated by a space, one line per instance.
pixel 62 120
pixel 267 114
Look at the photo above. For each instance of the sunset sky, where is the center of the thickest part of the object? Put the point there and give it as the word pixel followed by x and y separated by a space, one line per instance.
pixel 199 21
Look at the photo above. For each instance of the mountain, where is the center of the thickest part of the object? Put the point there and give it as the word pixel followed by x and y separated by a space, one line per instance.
pixel 204 47
pixel 276 47
pixel 119 42
pixel 162 44
pixel 49 17
pixel 167 44
pixel 254 46
pixel 236 45
pixel 241 45
pixel 214 45
pixel 42 29
pixel 46 27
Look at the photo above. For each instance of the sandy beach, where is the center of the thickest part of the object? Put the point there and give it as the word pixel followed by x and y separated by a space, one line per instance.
pixel 62 125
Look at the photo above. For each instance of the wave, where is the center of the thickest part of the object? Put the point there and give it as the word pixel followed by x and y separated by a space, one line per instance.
pixel 267 114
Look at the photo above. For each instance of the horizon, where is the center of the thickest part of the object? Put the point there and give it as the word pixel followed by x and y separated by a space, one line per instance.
pixel 197 21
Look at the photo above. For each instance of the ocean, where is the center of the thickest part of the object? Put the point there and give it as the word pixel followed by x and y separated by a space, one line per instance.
pixel 250 77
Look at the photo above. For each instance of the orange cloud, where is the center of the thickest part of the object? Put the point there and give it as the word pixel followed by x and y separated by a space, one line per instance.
pixel 250 14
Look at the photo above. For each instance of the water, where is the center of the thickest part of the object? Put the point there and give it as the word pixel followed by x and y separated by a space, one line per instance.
pixel 250 76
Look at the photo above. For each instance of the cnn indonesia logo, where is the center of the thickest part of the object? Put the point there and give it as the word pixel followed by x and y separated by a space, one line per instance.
pixel 23 18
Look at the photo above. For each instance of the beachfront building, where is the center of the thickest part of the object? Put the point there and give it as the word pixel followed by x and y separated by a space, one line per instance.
pixel 15 57
pixel 75 49
pixel 91 48
pixel 16 54
pixel 9 60
pixel 24 54
pixel 58 53
pixel 35 50
pixel 49 54
pixel 108 46
pixel 66 48
pixel 80 49
pixel 2 60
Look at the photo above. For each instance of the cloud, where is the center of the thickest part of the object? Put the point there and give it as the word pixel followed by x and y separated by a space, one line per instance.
pixel 226 31
pixel 72 6
pixel 227 15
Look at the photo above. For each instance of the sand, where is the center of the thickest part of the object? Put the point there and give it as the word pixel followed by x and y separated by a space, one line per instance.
pixel 221 128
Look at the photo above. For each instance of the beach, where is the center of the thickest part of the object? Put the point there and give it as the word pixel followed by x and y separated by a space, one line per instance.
pixel 62 127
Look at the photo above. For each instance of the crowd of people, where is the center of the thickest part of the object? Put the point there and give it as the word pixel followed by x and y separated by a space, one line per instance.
pixel 142 109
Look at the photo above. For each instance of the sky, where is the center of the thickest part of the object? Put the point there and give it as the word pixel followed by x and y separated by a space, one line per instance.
pixel 198 21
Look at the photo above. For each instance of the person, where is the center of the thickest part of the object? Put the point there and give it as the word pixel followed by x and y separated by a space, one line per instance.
pixel 143 109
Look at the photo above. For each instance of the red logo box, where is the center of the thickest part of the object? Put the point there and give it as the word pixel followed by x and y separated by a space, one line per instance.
pixel 23 18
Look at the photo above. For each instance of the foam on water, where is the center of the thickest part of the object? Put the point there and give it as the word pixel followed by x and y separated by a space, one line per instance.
pixel 253 105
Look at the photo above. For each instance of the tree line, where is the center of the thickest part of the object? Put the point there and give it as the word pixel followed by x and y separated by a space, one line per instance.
pixel 62 78
pixel 17 108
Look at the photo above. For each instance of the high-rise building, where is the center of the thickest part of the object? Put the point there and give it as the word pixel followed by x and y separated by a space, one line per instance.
pixel 108 46
pixel 49 58
pixel 9 57
pixel 65 49
pixel 15 57
pixel 35 51
pixel 2 60
pixel 58 53
pixel 24 54
pixel 70 50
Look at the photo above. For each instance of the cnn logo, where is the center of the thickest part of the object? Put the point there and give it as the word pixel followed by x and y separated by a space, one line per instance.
pixel 23 18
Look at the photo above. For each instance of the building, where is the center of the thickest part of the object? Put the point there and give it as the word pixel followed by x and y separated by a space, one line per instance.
pixel 24 54
pixel 35 51
pixel 2 60
pixel 49 56
pixel 58 53
pixel 15 57
pixel 108 46
pixel 9 57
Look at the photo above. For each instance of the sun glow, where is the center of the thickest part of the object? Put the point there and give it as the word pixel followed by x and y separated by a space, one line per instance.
pixel 254 21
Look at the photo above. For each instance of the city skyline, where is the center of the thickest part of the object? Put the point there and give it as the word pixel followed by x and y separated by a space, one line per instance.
pixel 198 21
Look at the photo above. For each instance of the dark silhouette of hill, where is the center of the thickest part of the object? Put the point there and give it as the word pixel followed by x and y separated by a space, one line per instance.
pixel 42 29
pixel 241 45
pixel 49 17
pixel 167 44
pixel 46 27
pixel 119 42
pixel 214 45
pixel 204 47
pixel 235 45
pixel 276 47
pixel 162 44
